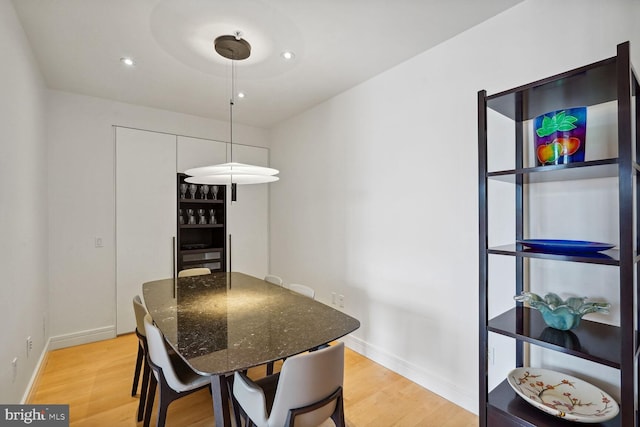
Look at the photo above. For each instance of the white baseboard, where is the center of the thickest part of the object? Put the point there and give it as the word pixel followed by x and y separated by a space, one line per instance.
pixel 415 373
pixel 36 372
pixel 82 337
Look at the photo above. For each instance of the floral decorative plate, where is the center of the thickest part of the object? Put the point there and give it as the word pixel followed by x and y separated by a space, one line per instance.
pixel 562 395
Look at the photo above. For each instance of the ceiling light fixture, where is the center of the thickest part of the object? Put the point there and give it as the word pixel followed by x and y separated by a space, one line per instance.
pixel 234 48
pixel 288 55
pixel 127 61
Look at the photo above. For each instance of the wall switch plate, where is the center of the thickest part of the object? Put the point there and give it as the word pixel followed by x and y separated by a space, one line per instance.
pixel 333 298
pixel 341 300
pixel 29 346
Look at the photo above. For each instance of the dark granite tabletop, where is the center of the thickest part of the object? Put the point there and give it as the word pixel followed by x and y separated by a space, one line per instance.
pixel 224 322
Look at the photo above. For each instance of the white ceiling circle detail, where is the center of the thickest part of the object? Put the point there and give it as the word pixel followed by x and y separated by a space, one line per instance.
pixel 186 30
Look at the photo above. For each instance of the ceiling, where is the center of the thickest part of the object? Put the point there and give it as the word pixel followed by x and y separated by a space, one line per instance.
pixel 337 44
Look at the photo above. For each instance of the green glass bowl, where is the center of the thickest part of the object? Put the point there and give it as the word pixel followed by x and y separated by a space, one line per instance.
pixel 561 314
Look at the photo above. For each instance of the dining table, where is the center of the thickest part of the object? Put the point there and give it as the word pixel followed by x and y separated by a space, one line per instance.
pixel 225 322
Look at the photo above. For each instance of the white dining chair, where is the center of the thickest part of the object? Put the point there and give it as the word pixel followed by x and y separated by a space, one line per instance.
pixel 276 280
pixel 140 312
pixel 303 290
pixel 197 271
pixel 306 392
pixel 175 377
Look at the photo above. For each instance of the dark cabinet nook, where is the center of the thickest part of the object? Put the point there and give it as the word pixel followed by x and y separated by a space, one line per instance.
pixel 201 225
pixel 611 84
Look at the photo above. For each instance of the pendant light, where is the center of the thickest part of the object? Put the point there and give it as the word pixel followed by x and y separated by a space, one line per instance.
pixel 234 48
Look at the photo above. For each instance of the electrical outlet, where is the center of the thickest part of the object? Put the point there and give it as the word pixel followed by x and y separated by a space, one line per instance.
pixel 29 346
pixel 333 298
pixel 341 300
pixel 99 243
pixel 14 369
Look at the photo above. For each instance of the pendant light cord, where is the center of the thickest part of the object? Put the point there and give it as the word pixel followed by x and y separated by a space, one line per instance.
pixel 231 103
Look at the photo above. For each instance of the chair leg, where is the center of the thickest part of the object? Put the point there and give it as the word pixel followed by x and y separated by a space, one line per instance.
pixel 242 415
pixel 338 414
pixel 234 403
pixel 151 395
pixel 162 412
pixel 144 391
pixel 136 375
pixel 167 395
pixel 270 368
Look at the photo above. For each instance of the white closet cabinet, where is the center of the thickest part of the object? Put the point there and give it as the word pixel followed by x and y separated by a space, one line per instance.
pixel 248 217
pixel 196 152
pixel 145 215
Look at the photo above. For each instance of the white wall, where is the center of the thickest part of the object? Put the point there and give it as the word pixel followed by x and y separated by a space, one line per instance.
pixel 80 141
pixel 23 208
pixel 378 191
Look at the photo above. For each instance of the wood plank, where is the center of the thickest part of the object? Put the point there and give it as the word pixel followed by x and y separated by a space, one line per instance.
pixel 95 380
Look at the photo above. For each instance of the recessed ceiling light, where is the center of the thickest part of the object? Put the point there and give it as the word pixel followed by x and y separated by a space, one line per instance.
pixel 127 61
pixel 288 55
pixel 241 95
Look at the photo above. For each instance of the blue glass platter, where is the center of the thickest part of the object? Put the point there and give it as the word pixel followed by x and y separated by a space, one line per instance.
pixel 565 246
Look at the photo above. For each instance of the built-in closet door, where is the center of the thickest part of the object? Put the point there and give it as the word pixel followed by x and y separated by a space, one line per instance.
pixel 196 152
pixel 145 215
pixel 248 217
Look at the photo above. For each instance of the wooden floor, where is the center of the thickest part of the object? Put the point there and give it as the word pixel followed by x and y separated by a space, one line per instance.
pixel 95 380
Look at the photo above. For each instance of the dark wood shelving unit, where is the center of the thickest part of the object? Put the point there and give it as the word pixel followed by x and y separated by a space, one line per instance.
pixel 616 347
pixel 593 341
pixel 201 245
pixel 201 201
pixel 199 251
pixel 201 225
pixel 505 406
pixel 606 168
pixel 608 257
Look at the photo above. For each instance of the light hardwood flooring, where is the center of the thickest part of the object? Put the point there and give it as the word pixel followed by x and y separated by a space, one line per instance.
pixel 95 380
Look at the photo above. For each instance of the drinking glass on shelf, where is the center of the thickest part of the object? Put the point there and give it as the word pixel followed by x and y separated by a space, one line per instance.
pixel 181 217
pixel 191 219
pixel 204 190
pixel 201 217
pixel 193 189
pixel 214 192
pixel 212 216
pixel 183 190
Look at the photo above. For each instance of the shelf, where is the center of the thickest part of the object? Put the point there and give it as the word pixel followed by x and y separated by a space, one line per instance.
pixel 505 403
pixel 201 225
pixel 202 201
pixel 585 86
pixel 593 341
pixel 609 257
pixel 200 250
pixel 605 168
pixel 214 267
